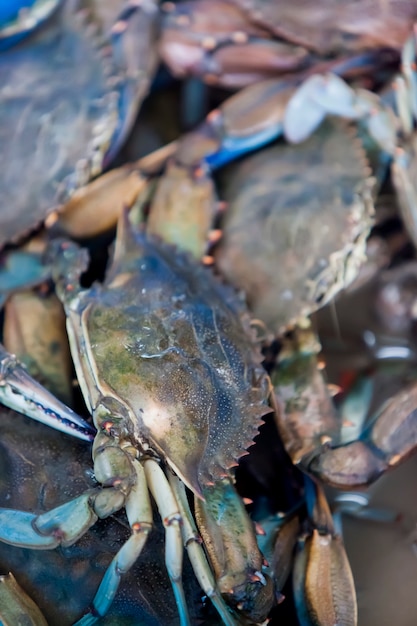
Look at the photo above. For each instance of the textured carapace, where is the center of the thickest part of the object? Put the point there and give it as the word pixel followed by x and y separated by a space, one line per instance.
pixel 180 354
pixel 295 229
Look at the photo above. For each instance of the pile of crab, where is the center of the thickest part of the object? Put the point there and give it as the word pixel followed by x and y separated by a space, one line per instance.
pixel 188 325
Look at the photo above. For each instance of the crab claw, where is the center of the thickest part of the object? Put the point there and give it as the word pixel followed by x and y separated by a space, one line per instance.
pixel 318 96
pixel 21 392
pixel 389 440
pixel 228 534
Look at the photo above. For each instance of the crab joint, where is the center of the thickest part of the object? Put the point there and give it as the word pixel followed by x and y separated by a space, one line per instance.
pixel 257 577
pixel 172 519
pixel 141 527
pixel 195 538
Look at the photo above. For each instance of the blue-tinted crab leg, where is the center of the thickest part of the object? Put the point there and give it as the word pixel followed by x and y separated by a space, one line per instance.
pixel 354 408
pixel 171 518
pixel 277 545
pixel 20 270
pixel 139 514
pixel 356 504
pixel 21 392
pixel 16 529
pixel 242 124
pixel 60 526
pixel 65 524
pixel 192 541
pixel 328 94
pixel 254 117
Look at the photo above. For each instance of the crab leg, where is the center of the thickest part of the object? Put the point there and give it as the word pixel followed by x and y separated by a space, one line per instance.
pixel 21 392
pixel 229 537
pixel 139 514
pixel 168 509
pixel 277 545
pixel 323 583
pixel 60 526
pixel 310 428
pixel 192 541
pixel 306 418
pixel 388 441
pixel 124 484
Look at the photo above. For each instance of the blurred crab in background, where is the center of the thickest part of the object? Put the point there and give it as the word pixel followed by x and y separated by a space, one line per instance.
pixel 234 43
pixel 69 94
pixel 281 212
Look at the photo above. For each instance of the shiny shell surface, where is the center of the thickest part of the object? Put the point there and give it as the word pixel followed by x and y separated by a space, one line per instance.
pixel 297 220
pixel 58 113
pixel 174 346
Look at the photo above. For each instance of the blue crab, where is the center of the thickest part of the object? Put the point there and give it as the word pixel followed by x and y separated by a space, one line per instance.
pixel 91 367
pixel 176 390
pixel 315 442
pixel 68 96
pixel 324 275
pixel 63 581
pixel 331 258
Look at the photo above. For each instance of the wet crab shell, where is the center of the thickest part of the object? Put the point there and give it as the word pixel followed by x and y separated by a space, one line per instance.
pixel 295 229
pixel 68 95
pixel 171 343
pixel 18 18
pixel 56 109
pixel 330 27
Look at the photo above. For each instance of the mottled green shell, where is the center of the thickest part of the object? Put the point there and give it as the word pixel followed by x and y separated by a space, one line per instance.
pixel 296 225
pixel 172 343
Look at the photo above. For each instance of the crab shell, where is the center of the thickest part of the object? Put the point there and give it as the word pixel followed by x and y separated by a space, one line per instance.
pixel 295 229
pixel 18 18
pixel 172 345
pixel 68 96
pixel 330 27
